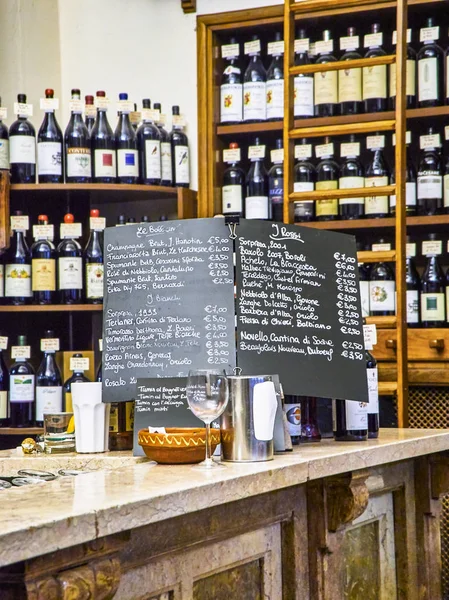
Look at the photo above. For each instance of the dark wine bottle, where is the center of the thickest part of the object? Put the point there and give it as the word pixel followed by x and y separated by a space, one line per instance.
pixel 410 76
pixel 276 183
pixel 233 191
pixel 327 175
pixel 231 89
pixel 430 175
pixel 77 367
pixel 382 290
pixel 94 260
pixel 430 67
pixel 351 176
pixel 21 386
pixel 48 380
pixel 17 260
pixel 303 84
pixel 304 181
pixel 377 174
pixel 413 285
pixel 275 80
pixel 256 201
pixel 350 421
pixel 410 181
pixel 121 220
pixel 326 84
pixel 43 264
pixel 149 146
pixel 373 390
pixel 104 168
pixel 179 151
pixel 292 408
pixel 130 221
pixel 22 146
pixel 166 166
pixel 126 145
pixel 364 277
pixel 70 263
pixel 254 84
pixel 446 172
pixel 433 285
pixel 78 165
pixel 4 142
pixel 310 431
pixel 375 78
pixel 89 113
pixel 4 385
pixel 49 145
pixel 350 80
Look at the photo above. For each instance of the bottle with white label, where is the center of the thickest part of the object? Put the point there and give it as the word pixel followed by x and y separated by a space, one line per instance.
pixel 350 80
pixel 275 80
pixel 179 151
pixel 49 145
pixel 350 421
pixel 375 78
pixel 17 261
pixel 326 84
pixel 382 289
pixel 303 107
pixel 126 144
pixel 254 85
pixel 78 166
pixel 22 145
pixel 433 285
pixel 149 147
pixel 104 161
pixel 377 174
pixel 233 190
pixel 94 260
pixel 231 89
pixel 166 166
pixel 4 385
pixel 410 77
pixel 21 386
pixel 352 175
pixel 70 263
pixel 256 201
pixel 412 285
pixel 373 394
pixel 430 67
pixel 304 181
pixel 430 175
pixel 327 176
pixel 4 141
pixel 81 365
pixel 410 181
pixel 276 183
pixel 48 380
pixel 364 277
pixel 43 264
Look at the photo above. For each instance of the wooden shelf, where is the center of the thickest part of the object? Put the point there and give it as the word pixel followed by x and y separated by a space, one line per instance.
pixel 314 5
pixel 384 190
pixel 365 128
pixel 53 308
pixel 368 256
pixel 387 388
pixel 382 322
pixel 153 190
pixel 340 65
pixel 25 431
pixel 354 224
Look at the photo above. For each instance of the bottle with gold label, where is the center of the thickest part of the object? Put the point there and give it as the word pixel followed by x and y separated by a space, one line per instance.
pixel 327 175
pixel 17 261
pixel 350 80
pixel 377 174
pixel 410 78
pixel 326 84
pixel 43 264
pixel 76 377
pixel 93 261
pixel 375 78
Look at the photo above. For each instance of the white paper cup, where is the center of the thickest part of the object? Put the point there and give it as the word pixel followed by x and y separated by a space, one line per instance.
pixel 91 417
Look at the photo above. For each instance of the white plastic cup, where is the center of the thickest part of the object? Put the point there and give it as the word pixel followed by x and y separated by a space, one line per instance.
pixel 91 417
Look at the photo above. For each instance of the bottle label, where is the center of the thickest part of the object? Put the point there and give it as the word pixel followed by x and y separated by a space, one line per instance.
pixel 166 167
pixel 427 79
pixel 232 199
pixel 447 303
pixel 324 150
pixel 43 274
pixel 49 344
pixel 350 85
pixel 79 363
pixel 303 96
pixel 49 158
pixel 376 204
pixel 182 164
pixel 21 388
pixel 3 405
pixel 410 249
pixel 382 296
pixel 2 282
pixel 300 46
pixel 432 247
pixel 356 415
pixel 303 151
pixel 293 414
pixel 277 155
pixel 43 232
pixel 429 34
pixel 350 149
pixel 230 50
pixel 113 418
pixel 324 46
pixel 326 207
pixel 410 195
pixel 432 307
pixel 252 47
pixel 303 186
pixel 429 141
pixel 105 163
pixel 254 101
pixel 70 230
pixel 127 163
pixel 231 102
pixel 326 87
pixel 18 281
pixel 430 186
pixel 372 40
pixel 152 159
pixel 94 280
pixel 375 82
pixel 275 99
pixel 381 247
pixel 364 296
pixel 276 190
pixel 350 42
pixel 68 402
pixel 48 400
pixel 373 391
pixel 129 416
pixel 446 190
pixel 78 162
pixel 375 141
pixel 70 271
pixel 256 207
pixel 412 306
pixel 22 149
pixel 4 154
pixel 346 183
pixel 410 79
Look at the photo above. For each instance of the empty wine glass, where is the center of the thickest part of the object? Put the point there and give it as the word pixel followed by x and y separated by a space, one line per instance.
pixel 207 394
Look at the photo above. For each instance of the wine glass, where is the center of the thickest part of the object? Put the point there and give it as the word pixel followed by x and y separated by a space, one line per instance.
pixel 207 394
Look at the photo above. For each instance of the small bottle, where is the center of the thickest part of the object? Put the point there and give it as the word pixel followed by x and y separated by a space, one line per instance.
pixel 382 288
pixel 350 80
pixel 104 169
pixel 49 147
pixel 256 201
pixel 377 174
pixel 4 384
pixel 21 386
pixel 166 166
pixel 275 80
pixel 4 145
pixel 77 367
pixel 254 85
pixel 292 409
pixel 310 431
pixel 413 285
pixel 17 261
pixel 48 380
pixel 375 78
pixel 78 166
pixel 179 151
pixel 430 175
pixel 126 145
pixel 149 146
pixel 231 89
pixel 22 146
pixel 327 176
pixel 233 190
pixel 410 181
pixel 303 84
pixel 43 263
pixel 90 113
pixel 351 176
pixel 121 220
pixel 304 181
pixel 410 77
pixel 94 261
pixel 433 285
pixel 326 84
pixel 350 421
pixel 276 183
pixel 70 264
pixel 430 67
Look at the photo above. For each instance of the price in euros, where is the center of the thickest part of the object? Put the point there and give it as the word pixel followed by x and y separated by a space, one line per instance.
pixel 348 259
pixel 350 331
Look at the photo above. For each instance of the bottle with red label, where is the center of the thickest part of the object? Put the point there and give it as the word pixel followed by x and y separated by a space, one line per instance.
pixel 94 261
pixel 70 263
pixel 43 264
pixel 104 168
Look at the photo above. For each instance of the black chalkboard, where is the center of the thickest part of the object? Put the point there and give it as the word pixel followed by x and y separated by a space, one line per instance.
pixel 169 302
pixel 298 309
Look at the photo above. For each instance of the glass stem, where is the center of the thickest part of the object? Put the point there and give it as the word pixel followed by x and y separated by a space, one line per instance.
pixel 208 444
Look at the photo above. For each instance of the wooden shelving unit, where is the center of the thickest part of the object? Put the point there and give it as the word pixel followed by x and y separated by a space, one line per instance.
pixel 34 308
pixel 23 431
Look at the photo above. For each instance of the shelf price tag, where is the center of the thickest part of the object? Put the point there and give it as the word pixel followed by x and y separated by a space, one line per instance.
pixel 43 232
pixel 432 247
pixel 231 155
pixel 97 223
pixel 375 141
pixel 429 141
pixel 312 49
pixel 369 336
pixel 302 45
pixel 102 102
pixel 179 120
pixel 303 151
pixel 135 117
pixel 89 109
pixel 49 103
pixel 79 364
pixel 76 106
pixel 49 345
pixel 409 37
pixel 100 345
pixel 3 342
pixel 324 47
pixel 21 223
pixel 410 249
pixel 277 155
pixel 381 247
pixel 275 48
pixel 408 138
pixel 373 39
pixel 20 351
pixel 162 119
pixel 230 50
pixel 23 110
pixel 429 34
pixel 324 150
pixel 150 114
pixel 350 42
pixel 3 113
pixel 350 149
pixel 125 106
pixel 252 47
pixel 256 152
pixel 70 230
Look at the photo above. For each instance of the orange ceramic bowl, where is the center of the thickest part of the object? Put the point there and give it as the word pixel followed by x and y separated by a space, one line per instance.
pixel 179 446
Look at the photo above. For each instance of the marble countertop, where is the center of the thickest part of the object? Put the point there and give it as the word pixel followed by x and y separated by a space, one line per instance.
pixel 73 510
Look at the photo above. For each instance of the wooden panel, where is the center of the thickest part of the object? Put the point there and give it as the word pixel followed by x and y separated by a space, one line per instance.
pixel 188 6
pixel 231 582
pixel 21 431
pixel 340 65
pixel 158 190
pixel 384 190
pixel 289 35
pixel 330 130
pixel 382 322
pixel 423 345
pixel 368 256
pixel 350 224
pixel 387 388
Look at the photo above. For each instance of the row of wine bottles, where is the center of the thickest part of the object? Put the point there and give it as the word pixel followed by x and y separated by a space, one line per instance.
pixel 90 151
pixel 257 94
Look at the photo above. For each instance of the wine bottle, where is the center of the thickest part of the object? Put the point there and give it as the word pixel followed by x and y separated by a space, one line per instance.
pixel 275 79
pixel 43 263
pixel 179 151
pixel 17 262
pixel 375 78
pixel 350 421
pixel 145 219
pixel 89 112
pixel 327 175
pixel 446 172
pixel 121 220
pixel 304 181
pixel 303 84
pixel 49 144
pixel 433 285
pixel 377 174
pixel 430 175
pixel 364 277
pixel 22 144
pixel 350 80
pixel 410 181
pixel 70 262
pixel 4 141
pixel 166 166
pixel 412 284
pixel 233 191
pixel 382 289
pixel 276 183
pixel 430 67
pixel 4 383
pixel 78 364
pixel 256 201
pixel 149 146
pixel 373 388
pixel 126 145
pixel 78 167
pixel 94 260
pixel 231 89
pixel 292 409
pixel 130 221
pixel 254 84
pixel 121 426
pixel 351 176
pixel 326 84
pixel 104 168
pixel 21 386
pixel 48 380
pixel 310 431
pixel 410 75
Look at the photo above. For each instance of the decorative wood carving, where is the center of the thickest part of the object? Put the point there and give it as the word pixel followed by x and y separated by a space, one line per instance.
pixel 188 6
pixel 347 498
pixel 439 475
pixel 4 209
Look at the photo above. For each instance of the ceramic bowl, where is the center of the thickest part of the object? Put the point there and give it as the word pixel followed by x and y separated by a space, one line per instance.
pixel 178 446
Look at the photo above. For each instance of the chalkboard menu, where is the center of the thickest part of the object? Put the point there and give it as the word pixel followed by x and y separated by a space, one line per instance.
pixel 169 302
pixel 298 309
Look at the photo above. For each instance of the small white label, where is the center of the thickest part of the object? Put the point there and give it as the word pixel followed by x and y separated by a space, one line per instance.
pixel 430 186
pixel 231 102
pixel 446 190
pixel 182 164
pixel 277 155
pixel 3 113
pixel 303 96
pixel 252 47
pixel 356 415
pixel 312 49
pixel 150 114
pixel 17 281
pixel 432 307
pixel 94 281
pixel 20 351
pixel 125 106
pixel 70 230
pixel 254 101
pixel 127 163
pixel 350 149
pixel 429 34
pixel 230 50
pixel 382 296
pixel 428 79
pixel 373 391
pixel 3 405
pixel 375 141
pixel 23 110
pixel 78 162
pixel 79 364
pixel 275 99
pixel 76 106
pixel 302 46
pixel 412 299
pixel 20 223
pixel 21 388
pixel 373 39
pixel 49 104
pixel 100 345
pixel 70 273
pixel 275 48
pixel 105 163
pixel 408 138
pixel 364 297
pixel 429 141
pixel 232 199
pixel 303 151
pixel 395 37
pixel 4 154
pixel 48 401
pixel 22 149
pixel 256 207
pixel 101 102
pixel 89 109
pixel 381 247
pixel 410 249
pixel 49 158
pixel 303 186
pixel 324 150
pixel 432 247
pixel 232 155
pixel 3 342
pixel 49 345
pixel 43 232
pixel 350 42
pixel 166 166
pixel 162 119
pixel 97 223
pixel 256 152
pixel 152 159
pixel 178 120
pixel 324 47
pixel 370 336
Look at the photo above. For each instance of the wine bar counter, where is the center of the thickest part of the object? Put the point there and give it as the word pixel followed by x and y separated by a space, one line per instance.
pixel 334 520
